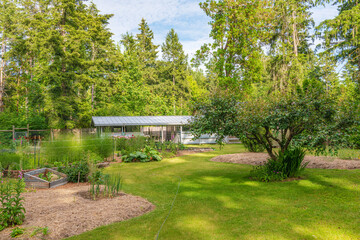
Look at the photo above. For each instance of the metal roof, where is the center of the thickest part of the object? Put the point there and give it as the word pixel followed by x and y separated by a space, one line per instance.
pixel 140 121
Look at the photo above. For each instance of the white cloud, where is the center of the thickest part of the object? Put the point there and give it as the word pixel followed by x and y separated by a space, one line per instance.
pixel 185 16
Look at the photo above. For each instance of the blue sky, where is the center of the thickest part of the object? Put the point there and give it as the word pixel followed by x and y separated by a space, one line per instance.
pixel 185 16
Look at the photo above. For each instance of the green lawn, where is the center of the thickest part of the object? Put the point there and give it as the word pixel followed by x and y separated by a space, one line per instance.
pixel 218 201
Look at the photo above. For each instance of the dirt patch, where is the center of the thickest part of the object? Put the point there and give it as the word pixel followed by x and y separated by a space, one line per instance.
pixel 66 213
pixel 314 162
pixel 193 151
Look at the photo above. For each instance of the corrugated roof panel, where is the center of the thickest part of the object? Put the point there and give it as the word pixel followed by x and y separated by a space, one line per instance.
pixel 141 121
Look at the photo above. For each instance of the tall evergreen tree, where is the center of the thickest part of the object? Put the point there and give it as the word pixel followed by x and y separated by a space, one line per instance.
pixel 175 71
pixel 342 35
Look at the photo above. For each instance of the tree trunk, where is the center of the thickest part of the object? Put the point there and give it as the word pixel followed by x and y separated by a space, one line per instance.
pixel 2 65
pixel 295 42
pixel 174 95
pixel 93 84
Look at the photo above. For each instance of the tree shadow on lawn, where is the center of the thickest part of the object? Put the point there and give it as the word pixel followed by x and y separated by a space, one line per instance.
pixel 304 209
pixel 219 201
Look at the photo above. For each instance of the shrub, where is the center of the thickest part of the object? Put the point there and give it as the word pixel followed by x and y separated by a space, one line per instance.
pixel 12 209
pixel 291 161
pixel 146 155
pixel 9 159
pixel 288 164
pixel 77 171
pixel 136 157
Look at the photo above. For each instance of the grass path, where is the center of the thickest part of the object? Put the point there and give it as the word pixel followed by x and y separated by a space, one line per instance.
pixel 218 201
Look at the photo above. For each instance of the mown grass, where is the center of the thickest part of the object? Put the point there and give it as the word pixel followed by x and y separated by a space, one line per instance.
pixel 218 201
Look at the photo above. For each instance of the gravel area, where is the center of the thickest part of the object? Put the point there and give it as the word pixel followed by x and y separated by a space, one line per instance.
pixel 314 161
pixel 66 213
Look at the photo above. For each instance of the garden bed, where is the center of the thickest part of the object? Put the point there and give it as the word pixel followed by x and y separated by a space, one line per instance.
pixel 314 161
pixel 39 178
pixel 66 213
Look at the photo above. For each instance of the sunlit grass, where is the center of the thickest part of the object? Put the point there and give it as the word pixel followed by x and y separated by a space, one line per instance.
pixel 219 201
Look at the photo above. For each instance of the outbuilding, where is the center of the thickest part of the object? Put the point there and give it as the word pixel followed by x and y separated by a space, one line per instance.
pixel 161 128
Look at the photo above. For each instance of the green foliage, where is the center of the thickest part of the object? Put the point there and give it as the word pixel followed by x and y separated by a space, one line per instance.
pixel 10 159
pixel 287 164
pixel 341 36
pixel 100 146
pixel 168 145
pixel 43 230
pixel 47 177
pixel 112 184
pixel 291 160
pixel 133 144
pixel 96 179
pixel 12 209
pixel 16 232
pixel 77 171
pixel 306 119
pixel 146 155
pixel 65 149
pixel 252 146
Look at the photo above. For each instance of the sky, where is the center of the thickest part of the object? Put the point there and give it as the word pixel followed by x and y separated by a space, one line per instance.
pixel 185 16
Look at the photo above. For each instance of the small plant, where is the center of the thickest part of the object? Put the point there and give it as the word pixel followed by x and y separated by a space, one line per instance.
pixel 43 230
pixel 113 185
pixel 287 164
pixel 12 209
pixel 96 179
pixel 16 232
pixel 47 177
pixel 77 171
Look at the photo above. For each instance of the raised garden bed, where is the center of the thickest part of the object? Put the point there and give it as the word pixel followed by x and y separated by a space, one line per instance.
pixel 38 179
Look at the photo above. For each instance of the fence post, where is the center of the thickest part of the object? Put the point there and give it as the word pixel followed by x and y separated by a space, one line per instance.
pixel 113 148
pixel 13 133
pixel 28 132
pixel 34 152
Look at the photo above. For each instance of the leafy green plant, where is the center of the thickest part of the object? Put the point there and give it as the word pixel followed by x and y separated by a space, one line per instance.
pixel 8 159
pixel 287 164
pixel 146 155
pixel 136 157
pixel 12 209
pixel 152 154
pixel 47 177
pixel 96 179
pixel 113 185
pixel 77 171
pixel 43 230
pixel 16 232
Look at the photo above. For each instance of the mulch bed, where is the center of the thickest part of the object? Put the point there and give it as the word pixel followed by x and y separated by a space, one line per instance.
pixel 66 213
pixel 314 161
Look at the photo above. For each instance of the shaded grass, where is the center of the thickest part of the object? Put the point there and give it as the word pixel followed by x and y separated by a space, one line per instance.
pixel 218 201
